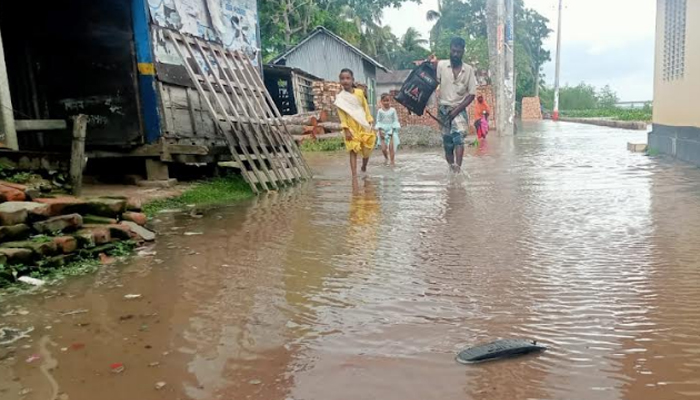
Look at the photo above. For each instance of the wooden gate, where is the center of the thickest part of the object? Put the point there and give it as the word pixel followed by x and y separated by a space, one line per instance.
pixel 239 103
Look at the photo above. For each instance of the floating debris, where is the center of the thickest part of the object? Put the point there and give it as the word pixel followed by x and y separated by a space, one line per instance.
pixel 132 296
pixel 32 358
pixel 117 368
pixel 154 364
pixel 10 335
pixel 498 349
pixel 31 281
pixel 193 233
pixel 255 382
pixel 160 385
pixel 75 312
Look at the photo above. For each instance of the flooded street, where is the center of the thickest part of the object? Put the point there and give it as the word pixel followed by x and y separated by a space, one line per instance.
pixel 336 292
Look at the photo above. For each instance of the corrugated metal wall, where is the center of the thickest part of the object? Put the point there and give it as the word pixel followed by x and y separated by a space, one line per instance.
pixel 324 57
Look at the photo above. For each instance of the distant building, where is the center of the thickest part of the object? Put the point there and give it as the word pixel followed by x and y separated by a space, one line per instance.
pixel 676 118
pixel 323 54
pixel 390 81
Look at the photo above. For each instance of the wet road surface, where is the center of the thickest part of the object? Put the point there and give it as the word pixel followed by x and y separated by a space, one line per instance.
pixel 341 291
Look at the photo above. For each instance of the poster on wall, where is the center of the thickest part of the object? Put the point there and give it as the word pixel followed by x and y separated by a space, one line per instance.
pixel 231 23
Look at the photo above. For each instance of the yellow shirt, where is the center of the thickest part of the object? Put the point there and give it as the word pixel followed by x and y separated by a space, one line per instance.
pixel 348 122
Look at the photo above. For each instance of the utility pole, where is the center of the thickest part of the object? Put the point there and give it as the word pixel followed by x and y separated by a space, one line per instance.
pixel 499 17
pixel 7 118
pixel 555 114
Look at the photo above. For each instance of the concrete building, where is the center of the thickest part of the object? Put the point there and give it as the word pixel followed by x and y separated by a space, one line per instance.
pixel 323 54
pixel 676 129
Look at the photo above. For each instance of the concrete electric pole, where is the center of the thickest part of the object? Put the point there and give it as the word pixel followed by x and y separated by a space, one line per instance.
pixel 500 17
pixel 555 113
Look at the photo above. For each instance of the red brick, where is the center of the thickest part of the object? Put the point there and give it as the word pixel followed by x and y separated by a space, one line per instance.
pixel 139 218
pixel 66 244
pixel 8 193
pixel 62 205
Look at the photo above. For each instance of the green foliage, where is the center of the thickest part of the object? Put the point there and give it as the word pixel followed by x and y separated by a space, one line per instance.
pixel 21 177
pixel 585 101
pixel 283 23
pixel 334 144
pixel 618 114
pixel 215 191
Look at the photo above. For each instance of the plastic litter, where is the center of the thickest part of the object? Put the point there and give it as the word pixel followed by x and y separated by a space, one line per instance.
pixel 160 385
pixel 117 368
pixel 31 281
pixel 33 357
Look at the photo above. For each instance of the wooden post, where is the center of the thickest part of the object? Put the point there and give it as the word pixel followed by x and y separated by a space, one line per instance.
pixel 7 119
pixel 77 156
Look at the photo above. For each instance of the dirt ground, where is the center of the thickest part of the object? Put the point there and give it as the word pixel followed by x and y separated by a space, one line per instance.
pixel 144 194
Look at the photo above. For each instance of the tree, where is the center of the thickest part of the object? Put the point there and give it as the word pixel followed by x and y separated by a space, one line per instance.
pixel 283 23
pixel 412 41
pixel 467 19
pixel 607 98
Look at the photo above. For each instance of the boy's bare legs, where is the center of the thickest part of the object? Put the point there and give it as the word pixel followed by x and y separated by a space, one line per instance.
pixel 353 164
pixel 365 161
pixel 392 151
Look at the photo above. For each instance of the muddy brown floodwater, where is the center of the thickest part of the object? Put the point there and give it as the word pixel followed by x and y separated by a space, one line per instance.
pixel 329 292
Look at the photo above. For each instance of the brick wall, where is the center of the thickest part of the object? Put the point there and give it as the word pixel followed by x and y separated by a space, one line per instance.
pixel 407 119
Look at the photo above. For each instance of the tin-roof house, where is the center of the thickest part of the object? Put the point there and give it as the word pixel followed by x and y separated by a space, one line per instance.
pixel 323 54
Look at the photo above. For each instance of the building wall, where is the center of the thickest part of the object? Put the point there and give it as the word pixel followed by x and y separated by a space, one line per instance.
pixel 676 129
pixel 675 101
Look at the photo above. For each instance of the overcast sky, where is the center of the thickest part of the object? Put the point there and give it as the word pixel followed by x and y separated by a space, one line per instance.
pixel 603 41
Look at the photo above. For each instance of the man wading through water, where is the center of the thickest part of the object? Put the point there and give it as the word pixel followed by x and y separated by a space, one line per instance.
pixel 456 92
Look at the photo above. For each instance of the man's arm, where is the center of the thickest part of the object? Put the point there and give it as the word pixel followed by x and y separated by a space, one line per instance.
pixel 461 106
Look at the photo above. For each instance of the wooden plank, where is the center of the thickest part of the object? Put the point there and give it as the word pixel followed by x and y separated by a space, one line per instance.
pixel 270 109
pixel 258 127
pixel 7 118
pixel 244 172
pixel 251 137
pixel 259 101
pixel 23 125
pixel 77 155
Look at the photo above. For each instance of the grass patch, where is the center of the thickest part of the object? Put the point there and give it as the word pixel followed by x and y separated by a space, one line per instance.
pixel 333 144
pixel 84 262
pixel 617 114
pixel 214 191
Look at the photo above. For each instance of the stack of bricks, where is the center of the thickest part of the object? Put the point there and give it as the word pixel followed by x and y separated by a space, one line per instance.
pixel 408 119
pixel 324 96
pixel 531 109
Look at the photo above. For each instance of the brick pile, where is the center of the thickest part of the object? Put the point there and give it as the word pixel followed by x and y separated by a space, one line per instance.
pixel 531 110
pixel 324 97
pixel 49 231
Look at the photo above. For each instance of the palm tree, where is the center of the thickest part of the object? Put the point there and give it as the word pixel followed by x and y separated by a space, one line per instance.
pixel 412 40
pixel 435 16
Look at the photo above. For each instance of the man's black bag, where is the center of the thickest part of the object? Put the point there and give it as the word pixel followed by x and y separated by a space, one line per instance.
pixel 418 88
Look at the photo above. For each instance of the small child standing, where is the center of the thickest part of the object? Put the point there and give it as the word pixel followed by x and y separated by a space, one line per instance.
pixel 388 126
pixel 356 121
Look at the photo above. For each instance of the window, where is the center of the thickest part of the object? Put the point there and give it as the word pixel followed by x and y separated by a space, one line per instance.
pixel 674 40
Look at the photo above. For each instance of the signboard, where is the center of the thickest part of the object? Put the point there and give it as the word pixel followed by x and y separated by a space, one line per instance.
pixel 231 23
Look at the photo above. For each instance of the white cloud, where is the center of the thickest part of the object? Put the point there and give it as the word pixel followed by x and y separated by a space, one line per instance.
pixel 591 29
